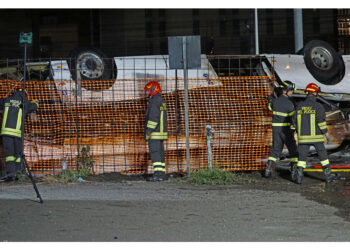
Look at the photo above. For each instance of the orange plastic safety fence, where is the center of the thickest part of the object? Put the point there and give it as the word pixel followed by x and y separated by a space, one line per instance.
pixel 106 124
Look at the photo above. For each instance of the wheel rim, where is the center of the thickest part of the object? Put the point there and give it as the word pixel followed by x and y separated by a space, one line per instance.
pixel 90 65
pixel 322 58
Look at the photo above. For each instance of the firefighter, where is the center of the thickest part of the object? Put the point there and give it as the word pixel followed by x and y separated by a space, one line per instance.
pixel 15 107
pixel 282 112
pixel 156 129
pixel 310 122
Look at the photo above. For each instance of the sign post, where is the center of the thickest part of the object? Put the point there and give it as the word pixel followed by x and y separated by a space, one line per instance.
pixel 184 53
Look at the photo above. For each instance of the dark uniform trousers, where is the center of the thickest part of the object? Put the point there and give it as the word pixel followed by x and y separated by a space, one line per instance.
pixel 282 109
pixel 303 150
pixel 157 155
pixel 13 150
pixel 281 136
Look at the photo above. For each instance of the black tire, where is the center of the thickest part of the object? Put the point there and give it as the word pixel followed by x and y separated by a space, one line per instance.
pixel 323 62
pixel 92 65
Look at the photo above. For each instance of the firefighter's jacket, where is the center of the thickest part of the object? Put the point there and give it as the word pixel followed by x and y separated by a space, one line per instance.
pixel 310 121
pixel 14 111
pixel 156 118
pixel 270 98
pixel 282 111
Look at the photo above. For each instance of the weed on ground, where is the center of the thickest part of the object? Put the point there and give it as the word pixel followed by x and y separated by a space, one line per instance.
pixel 218 177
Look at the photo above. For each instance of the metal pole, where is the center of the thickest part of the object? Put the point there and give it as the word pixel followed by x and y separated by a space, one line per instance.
pixel 23 97
pixel 256 33
pixel 298 29
pixel 209 134
pixel 177 122
pixel 184 54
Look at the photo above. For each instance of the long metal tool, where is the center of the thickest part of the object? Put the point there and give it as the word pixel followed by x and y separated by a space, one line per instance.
pixel 24 161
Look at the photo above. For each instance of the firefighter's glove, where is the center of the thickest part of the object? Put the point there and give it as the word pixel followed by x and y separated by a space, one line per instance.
pixel 149 135
pixel 36 102
pixel 328 138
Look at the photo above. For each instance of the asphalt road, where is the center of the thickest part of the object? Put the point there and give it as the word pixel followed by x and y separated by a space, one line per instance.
pixel 267 210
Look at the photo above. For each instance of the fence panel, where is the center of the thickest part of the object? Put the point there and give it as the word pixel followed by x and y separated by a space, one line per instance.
pixel 111 124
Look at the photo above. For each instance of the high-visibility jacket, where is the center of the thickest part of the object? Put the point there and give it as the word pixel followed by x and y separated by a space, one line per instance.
pixel 270 98
pixel 14 111
pixel 282 111
pixel 156 121
pixel 310 121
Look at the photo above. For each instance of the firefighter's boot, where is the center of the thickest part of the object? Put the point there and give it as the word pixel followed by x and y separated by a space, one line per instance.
pixel 10 172
pixel 293 171
pixel 157 176
pixel 299 175
pixel 269 167
pixel 328 174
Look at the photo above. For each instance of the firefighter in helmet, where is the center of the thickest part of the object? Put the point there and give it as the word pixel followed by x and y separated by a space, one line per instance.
pixel 156 129
pixel 282 111
pixel 15 107
pixel 310 123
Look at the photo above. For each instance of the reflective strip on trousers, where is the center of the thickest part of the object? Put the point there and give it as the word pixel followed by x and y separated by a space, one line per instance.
pixel 158 163
pixel 325 163
pixel 18 160
pixel 301 164
pixel 10 158
pixel 159 169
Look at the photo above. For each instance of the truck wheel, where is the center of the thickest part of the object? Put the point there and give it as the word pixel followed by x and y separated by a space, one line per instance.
pixel 92 65
pixel 323 62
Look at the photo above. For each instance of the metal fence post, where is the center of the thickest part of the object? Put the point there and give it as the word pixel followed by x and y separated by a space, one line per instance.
pixel 210 156
pixel 186 105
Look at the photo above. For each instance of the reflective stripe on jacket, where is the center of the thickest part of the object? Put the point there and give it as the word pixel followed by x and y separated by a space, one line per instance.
pixel 156 121
pixel 282 110
pixel 310 121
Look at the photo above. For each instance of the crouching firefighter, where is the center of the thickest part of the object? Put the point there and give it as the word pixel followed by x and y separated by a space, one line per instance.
pixel 156 129
pixel 310 123
pixel 12 129
pixel 282 111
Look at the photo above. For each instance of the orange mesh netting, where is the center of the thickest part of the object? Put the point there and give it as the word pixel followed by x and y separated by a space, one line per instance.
pixel 111 123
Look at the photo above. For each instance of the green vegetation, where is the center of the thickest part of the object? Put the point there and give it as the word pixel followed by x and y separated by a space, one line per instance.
pixel 85 163
pixel 20 176
pixel 217 176
pixel 85 160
